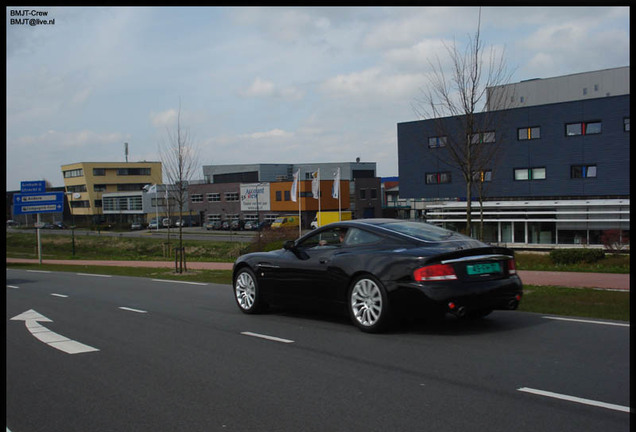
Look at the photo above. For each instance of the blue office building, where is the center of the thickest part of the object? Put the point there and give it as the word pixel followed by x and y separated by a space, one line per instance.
pixel 561 172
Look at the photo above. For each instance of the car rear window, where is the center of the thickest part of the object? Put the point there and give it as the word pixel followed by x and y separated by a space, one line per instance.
pixel 420 230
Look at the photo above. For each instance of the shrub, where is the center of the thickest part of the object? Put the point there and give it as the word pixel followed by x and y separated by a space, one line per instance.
pixel 615 240
pixel 574 256
pixel 272 239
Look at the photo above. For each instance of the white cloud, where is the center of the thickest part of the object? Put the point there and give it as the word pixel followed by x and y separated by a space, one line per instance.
pixel 372 83
pixel 164 119
pixel 261 88
pixel 274 133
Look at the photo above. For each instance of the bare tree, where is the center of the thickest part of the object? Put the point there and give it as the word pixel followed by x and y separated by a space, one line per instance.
pixel 180 162
pixel 458 102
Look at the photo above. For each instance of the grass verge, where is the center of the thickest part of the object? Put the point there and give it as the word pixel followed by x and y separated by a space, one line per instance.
pixel 578 302
pixel 553 300
pixel 208 276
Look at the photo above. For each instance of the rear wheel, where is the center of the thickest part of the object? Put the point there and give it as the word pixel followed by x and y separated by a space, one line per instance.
pixel 246 292
pixel 368 304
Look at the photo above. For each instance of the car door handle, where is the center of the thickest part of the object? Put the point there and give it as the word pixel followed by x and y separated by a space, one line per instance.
pixel 323 260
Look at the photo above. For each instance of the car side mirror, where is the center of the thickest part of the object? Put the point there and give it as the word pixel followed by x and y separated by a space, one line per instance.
pixel 290 245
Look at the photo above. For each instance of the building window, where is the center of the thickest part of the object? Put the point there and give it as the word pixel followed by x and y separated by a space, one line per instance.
pixel 128 187
pixel 196 198
pixel 482 137
pixel 528 133
pixel 279 195
pixel 437 142
pixel 74 173
pixel 363 193
pixel 530 174
pixel 231 196
pixel 438 178
pixel 583 128
pixel 99 187
pixel 99 171
pixel 133 171
pixel 77 188
pixel 626 124
pixel 287 195
pixel 214 218
pixel 80 204
pixel 582 171
pixel 214 197
pixel 482 176
pixel 122 203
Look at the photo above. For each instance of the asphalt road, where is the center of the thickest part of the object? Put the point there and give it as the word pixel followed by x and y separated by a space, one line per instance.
pixel 169 356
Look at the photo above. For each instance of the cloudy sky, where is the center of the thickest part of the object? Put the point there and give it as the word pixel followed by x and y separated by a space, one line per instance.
pixel 260 85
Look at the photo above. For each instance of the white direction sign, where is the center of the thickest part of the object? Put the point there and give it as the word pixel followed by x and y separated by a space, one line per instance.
pixel 50 202
pixel 32 319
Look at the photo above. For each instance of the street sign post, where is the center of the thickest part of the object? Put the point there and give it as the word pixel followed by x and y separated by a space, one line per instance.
pixel 45 202
pixel 33 198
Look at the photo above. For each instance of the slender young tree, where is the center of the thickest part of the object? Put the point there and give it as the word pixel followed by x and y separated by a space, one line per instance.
pixel 180 162
pixel 458 101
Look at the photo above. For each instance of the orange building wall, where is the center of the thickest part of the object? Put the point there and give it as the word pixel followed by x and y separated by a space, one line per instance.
pixel 327 203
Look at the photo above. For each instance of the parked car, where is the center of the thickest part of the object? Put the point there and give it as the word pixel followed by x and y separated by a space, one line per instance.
pixel 237 225
pixel 225 225
pixel 153 224
pixel 59 225
pixel 214 225
pixel 380 268
pixel 180 223
pixel 136 226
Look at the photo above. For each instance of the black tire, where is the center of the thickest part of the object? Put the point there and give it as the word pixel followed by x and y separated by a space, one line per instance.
pixel 247 292
pixel 368 304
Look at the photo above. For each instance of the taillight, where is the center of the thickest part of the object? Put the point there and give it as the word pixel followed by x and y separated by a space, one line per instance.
pixel 435 272
pixel 512 268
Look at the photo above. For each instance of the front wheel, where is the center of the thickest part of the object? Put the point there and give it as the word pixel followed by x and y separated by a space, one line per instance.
pixel 368 304
pixel 246 292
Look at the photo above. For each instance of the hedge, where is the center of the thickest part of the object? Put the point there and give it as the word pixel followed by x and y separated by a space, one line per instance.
pixel 574 256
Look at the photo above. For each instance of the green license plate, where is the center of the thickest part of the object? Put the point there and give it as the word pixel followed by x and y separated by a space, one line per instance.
pixel 485 268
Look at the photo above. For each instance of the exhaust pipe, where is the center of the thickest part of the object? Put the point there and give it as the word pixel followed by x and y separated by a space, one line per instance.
pixel 459 312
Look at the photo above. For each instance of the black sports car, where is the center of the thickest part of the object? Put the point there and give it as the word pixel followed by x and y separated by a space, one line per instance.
pixel 379 268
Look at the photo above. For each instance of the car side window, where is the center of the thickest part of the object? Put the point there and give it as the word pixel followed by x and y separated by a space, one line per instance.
pixel 325 239
pixel 358 237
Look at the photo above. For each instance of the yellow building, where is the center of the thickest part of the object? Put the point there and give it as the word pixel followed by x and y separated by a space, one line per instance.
pixel 86 182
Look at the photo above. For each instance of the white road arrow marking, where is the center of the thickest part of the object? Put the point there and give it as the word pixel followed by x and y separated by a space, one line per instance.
pixel 32 318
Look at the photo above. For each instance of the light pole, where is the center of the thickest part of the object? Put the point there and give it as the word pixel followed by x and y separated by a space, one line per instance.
pixel 73 196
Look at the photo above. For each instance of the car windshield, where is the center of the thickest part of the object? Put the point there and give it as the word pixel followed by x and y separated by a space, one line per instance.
pixel 419 230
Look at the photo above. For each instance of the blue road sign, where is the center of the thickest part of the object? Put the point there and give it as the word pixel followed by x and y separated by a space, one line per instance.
pixel 31 187
pixel 47 202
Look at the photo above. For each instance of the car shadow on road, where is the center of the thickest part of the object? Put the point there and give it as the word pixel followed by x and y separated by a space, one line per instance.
pixel 497 322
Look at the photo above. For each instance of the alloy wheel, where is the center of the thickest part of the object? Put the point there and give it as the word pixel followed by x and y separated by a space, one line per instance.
pixel 366 302
pixel 245 291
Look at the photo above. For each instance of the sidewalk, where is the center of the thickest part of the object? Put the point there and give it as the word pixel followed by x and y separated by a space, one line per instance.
pixel 568 279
